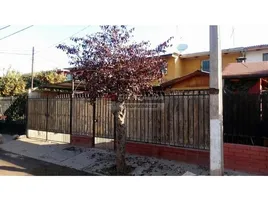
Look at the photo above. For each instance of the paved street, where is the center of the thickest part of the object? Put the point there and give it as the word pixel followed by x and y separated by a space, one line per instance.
pixel 17 165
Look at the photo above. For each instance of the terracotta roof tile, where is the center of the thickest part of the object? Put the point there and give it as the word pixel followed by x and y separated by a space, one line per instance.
pixel 250 69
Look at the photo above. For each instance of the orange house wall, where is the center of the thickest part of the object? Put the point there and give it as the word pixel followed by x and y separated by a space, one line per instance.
pixel 189 65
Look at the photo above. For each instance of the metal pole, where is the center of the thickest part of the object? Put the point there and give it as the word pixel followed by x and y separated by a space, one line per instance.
pixel 32 69
pixel 216 117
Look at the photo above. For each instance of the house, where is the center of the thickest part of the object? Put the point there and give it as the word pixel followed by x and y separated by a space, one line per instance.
pixel 248 76
pixel 256 53
pixel 180 65
pixel 190 71
pixel 194 81
pixel 245 102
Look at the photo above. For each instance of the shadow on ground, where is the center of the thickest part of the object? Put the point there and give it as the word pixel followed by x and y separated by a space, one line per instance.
pixel 10 162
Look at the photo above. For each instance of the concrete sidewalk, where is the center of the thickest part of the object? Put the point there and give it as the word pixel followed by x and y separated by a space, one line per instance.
pixel 53 152
pixel 17 165
pixel 97 161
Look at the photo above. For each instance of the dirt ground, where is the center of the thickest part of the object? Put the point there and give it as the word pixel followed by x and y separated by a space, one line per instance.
pixel 16 165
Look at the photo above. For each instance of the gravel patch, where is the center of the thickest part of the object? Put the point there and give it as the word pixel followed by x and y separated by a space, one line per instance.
pixel 104 161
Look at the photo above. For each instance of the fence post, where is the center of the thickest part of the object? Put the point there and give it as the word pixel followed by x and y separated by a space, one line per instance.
pixel 114 132
pixel 94 123
pixel 47 120
pixel 71 115
pixel 27 115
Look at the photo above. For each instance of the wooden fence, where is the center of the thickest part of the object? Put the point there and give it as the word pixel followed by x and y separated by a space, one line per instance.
pixel 174 119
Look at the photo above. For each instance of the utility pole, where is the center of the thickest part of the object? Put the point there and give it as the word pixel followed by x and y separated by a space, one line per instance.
pixel 32 69
pixel 216 107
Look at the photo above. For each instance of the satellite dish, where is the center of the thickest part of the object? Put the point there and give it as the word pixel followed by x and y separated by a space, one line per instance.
pixel 182 47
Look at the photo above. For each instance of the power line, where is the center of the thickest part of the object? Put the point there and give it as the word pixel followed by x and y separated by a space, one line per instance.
pixel 14 53
pixel 28 54
pixel 48 60
pixel 14 50
pixel 70 36
pixel 16 32
pixel 4 27
pixel 53 45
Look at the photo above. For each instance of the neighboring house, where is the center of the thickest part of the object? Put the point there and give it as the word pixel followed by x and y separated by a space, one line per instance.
pixel 180 65
pixel 256 53
pixel 184 67
pixel 249 76
pixel 194 81
pixel 190 71
pixel 245 101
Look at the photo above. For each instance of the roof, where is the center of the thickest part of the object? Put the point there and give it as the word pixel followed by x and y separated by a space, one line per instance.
pixel 256 47
pixel 246 70
pixel 230 50
pixel 180 79
pixel 206 53
pixel 67 85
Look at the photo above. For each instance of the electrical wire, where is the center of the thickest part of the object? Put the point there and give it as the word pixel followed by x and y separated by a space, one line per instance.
pixel 16 32
pixel 15 50
pixel 23 54
pixel 70 36
pixel 53 45
pixel 48 60
pixel 4 27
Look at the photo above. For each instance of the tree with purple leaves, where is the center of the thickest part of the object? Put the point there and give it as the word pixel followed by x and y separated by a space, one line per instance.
pixel 110 62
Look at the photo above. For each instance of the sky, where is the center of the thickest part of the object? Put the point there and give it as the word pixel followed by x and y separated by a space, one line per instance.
pixel 15 51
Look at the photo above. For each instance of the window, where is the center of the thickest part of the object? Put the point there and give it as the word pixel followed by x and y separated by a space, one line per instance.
pixel 205 66
pixel 69 77
pixel 265 57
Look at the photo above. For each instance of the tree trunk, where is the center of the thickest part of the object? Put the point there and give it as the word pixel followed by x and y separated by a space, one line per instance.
pixel 120 113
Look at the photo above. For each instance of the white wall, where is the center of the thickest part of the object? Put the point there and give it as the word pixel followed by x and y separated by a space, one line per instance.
pixel 34 94
pixel 255 56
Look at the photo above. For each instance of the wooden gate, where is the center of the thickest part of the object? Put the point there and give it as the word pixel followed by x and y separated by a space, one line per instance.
pixel 49 119
pixel 57 118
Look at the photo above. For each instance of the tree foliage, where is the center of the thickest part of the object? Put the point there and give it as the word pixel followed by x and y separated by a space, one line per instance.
pixel 43 78
pixel 16 111
pixel 112 63
pixel 12 84
pixel 50 77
